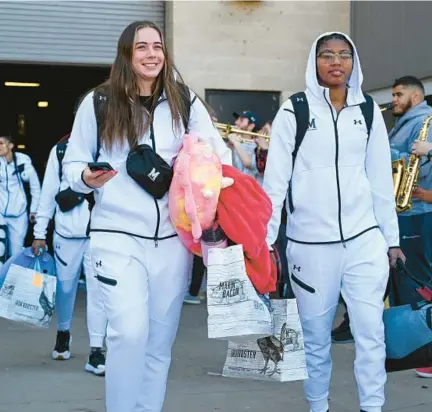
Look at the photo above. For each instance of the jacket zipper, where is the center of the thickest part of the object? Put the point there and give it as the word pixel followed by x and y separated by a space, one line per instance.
pixel 152 138
pixel 337 169
pixel 7 190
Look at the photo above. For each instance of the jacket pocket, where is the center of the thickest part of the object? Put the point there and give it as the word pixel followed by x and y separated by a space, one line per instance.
pixel 303 285
pixel 107 281
pixel 60 259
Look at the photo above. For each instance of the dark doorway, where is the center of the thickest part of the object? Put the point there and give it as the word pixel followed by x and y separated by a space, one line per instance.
pixel 264 104
pixel 39 128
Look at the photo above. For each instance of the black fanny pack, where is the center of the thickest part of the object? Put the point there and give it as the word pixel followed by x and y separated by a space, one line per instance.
pixel 149 170
pixel 68 199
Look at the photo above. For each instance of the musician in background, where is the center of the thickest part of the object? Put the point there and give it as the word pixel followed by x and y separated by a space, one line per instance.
pixel 415 225
pixel 244 157
pixel 423 149
pixel 262 146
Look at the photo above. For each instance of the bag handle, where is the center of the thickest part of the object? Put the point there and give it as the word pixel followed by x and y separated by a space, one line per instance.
pixel 400 266
pixel 281 283
pixel 37 265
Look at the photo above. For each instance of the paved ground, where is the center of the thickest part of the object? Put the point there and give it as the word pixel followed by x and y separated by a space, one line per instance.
pixel 31 382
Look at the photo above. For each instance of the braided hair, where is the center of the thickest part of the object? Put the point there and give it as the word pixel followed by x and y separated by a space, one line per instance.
pixel 333 36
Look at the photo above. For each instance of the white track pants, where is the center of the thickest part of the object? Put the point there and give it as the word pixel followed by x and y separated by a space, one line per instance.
pixel 70 256
pixel 142 287
pixel 17 231
pixel 360 272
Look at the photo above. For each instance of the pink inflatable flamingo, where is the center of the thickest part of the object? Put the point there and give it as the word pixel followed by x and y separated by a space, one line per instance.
pixel 194 191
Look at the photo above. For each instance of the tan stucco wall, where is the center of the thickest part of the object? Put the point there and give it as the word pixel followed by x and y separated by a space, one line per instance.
pixel 249 45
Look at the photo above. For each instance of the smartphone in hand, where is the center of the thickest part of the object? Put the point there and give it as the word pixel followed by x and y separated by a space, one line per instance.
pixel 103 166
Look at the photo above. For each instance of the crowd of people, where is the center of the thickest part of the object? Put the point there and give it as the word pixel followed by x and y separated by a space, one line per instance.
pixel 329 181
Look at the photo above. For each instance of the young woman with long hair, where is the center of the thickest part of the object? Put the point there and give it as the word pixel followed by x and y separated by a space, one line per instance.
pixel 141 265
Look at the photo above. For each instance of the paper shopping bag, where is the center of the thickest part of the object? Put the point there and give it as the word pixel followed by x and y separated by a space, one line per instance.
pixel 235 310
pixel 28 296
pixel 280 357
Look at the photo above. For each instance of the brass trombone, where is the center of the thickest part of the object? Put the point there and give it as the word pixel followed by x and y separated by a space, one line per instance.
pixel 226 129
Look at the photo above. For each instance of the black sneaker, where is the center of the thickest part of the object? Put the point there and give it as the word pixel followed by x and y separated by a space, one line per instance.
pixel 96 362
pixel 61 350
pixel 342 334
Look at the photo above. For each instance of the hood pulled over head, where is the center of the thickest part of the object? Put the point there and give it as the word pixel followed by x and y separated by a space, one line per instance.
pixel 355 94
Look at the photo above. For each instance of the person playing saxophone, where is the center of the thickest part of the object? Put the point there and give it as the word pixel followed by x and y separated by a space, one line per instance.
pixel 415 225
pixel 423 149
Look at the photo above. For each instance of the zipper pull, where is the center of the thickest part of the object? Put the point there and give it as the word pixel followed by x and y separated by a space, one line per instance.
pixel 156 243
pixel 344 244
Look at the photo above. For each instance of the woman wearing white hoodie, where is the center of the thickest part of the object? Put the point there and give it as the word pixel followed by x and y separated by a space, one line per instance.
pixel 16 170
pixel 342 225
pixel 71 254
pixel 141 265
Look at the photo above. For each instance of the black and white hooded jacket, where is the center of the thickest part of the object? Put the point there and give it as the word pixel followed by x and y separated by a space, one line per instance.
pixel 342 182
pixel 13 177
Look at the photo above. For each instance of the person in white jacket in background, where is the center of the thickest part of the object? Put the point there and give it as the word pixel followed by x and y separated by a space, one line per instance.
pixel 342 226
pixel 141 264
pixel 71 254
pixel 16 170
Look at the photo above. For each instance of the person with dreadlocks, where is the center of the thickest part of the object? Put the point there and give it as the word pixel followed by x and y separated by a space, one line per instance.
pixel 16 174
pixel 342 225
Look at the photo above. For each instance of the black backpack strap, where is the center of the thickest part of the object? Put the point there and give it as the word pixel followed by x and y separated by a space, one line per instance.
pixel 25 186
pixel 301 113
pixel 61 151
pixel 367 109
pixel 99 101
pixel 185 95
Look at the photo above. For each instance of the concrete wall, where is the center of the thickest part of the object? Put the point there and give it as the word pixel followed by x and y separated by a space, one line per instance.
pixel 258 45
pixel 396 42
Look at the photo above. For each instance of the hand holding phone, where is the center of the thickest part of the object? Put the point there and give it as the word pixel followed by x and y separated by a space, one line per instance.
pixel 97 174
pixel 103 166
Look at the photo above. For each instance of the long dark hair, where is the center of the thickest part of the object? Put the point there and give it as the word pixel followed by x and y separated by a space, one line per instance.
pixel 123 112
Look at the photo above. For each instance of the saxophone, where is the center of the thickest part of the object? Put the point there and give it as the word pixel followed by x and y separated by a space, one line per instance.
pixel 405 176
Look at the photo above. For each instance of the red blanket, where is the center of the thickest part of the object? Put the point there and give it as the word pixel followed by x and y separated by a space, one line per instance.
pixel 243 212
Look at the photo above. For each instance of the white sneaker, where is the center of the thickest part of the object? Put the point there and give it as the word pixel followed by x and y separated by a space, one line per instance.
pixel 192 300
pixel 96 362
pixel 62 347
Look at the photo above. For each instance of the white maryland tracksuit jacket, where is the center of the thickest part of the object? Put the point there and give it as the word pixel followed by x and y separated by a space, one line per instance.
pixel 71 253
pixel 142 266
pixel 13 201
pixel 343 223
pixel 69 225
